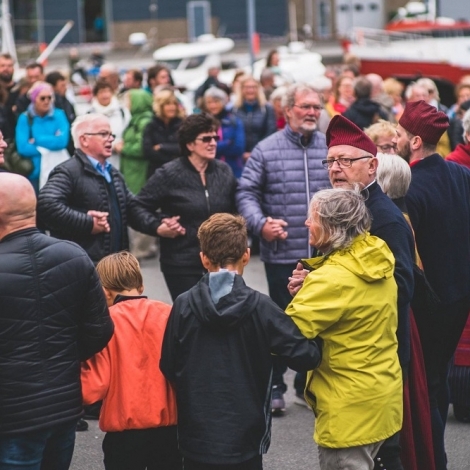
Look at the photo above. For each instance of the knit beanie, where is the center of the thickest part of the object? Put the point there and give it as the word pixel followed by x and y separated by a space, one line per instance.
pixel 341 131
pixel 425 121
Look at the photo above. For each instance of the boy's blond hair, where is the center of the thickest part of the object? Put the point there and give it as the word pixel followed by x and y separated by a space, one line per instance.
pixel 120 271
pixel 223 238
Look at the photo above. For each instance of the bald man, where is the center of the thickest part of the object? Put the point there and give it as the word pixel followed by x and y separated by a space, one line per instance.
pixel 53 315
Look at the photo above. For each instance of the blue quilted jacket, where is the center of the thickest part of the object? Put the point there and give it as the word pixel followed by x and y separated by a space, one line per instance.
pixel 279 179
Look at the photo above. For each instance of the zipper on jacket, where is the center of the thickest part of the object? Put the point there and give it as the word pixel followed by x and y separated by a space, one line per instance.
pixel 307 193
pixel 206 192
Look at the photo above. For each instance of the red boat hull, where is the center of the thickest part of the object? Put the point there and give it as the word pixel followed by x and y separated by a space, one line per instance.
pixel 411 70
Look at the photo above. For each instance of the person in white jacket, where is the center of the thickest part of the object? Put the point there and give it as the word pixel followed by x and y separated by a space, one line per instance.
pixel 105 102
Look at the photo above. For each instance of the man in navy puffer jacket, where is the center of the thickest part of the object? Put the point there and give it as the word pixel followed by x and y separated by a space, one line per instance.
pixel 279 179
pixel 53 315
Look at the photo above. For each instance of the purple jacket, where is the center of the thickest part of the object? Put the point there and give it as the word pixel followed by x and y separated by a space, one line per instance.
pixel 279 179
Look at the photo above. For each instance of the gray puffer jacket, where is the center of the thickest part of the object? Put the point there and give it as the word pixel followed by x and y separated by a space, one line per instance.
pixel 278 181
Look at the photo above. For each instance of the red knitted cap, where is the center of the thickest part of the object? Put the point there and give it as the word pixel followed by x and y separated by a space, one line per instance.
pixel 424 120
pixel 341 131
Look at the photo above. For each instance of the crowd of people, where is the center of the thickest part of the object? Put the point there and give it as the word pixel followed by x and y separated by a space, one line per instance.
pixel 355 191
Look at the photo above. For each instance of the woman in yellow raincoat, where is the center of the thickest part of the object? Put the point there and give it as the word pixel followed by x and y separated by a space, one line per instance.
pixel 349 300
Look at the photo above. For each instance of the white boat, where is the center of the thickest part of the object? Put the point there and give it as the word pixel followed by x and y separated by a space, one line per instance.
pixel 189 62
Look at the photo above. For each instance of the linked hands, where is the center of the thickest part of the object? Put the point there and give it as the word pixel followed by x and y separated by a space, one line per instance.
pixel 100 222
pixel 171 228
pixel 296 281
pixel 273 229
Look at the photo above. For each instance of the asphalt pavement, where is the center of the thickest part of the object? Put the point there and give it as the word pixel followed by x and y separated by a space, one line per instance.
pixel 292 446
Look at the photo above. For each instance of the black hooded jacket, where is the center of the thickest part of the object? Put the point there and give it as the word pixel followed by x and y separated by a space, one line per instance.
pixel 364 112
pixel 218 355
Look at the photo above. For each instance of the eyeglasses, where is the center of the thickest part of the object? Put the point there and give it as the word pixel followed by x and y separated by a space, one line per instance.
pixel 386 148
pixel 308 107
pixel 207 139
pixel 45 98
pixel 342 162
pixel 104 135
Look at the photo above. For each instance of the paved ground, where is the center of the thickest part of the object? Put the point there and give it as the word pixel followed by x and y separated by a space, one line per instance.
pixel 292 447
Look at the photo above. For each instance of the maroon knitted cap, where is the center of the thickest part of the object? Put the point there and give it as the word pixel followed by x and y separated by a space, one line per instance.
pixel 424 120
pixel 341 131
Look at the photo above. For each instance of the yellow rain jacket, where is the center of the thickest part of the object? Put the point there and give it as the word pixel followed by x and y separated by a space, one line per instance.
pixel 350 301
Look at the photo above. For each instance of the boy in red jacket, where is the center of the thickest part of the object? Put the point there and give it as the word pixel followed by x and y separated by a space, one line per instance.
pixel 139 407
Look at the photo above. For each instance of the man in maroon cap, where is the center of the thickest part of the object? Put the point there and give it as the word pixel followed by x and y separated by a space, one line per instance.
pixel 438 203
pixel 351 160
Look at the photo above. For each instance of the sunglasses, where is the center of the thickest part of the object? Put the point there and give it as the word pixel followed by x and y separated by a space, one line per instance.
pixel 45 98
pixel 208 138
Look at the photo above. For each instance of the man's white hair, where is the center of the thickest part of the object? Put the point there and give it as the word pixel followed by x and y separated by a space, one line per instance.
pixel 84 124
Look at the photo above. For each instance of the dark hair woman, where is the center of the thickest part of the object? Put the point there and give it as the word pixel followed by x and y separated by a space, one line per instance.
pixel 186 191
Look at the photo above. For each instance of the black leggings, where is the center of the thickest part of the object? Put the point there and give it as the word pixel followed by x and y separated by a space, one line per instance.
pixel 179 281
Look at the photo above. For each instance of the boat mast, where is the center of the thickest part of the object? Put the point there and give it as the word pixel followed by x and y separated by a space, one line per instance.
pixel 8 40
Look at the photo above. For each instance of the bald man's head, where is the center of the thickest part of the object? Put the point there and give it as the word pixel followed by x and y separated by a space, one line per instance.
pixel 17 204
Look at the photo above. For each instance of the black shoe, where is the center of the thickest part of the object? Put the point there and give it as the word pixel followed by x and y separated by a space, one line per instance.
pixel 82 425
pixel 462 413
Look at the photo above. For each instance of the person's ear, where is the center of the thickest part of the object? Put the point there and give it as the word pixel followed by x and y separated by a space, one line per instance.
pixel 190 147
pixel 140 290
pixel 373 164
pixel 416 142
pixel 246 257
pixel 109 295
pixel 205 261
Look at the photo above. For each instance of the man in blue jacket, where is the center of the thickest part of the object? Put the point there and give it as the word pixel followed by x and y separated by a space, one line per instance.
pixel 279 179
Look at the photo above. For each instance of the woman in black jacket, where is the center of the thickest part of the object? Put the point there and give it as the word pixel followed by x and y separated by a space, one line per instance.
pixel 186 192
pixel 160 142
pixel 257 116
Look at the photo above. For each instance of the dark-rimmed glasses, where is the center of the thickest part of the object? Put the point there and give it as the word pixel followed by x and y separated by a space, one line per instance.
pixel 342 162
pixel 207 139
pixel 45 98
pixel 104 135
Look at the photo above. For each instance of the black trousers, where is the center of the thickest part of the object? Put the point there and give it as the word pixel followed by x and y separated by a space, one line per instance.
pixel 142 449
pixel 253 464
pixel 277 276
pixel 440 334
pixel 179 280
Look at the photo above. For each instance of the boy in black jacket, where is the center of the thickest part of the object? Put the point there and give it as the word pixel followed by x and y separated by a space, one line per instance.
pixel 217 351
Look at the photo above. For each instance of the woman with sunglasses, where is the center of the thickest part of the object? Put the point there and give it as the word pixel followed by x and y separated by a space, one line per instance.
pixel 41 125
pixel 181 195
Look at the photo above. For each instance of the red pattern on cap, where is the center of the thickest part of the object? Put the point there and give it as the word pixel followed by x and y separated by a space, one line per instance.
pixel 341 131
pixel 425 121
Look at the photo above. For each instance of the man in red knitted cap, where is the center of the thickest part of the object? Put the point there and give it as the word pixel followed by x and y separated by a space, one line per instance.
pixel 438 203
pixel 351 160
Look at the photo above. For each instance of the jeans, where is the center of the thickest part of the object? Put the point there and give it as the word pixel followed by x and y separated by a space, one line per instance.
pixel 47 449
pixel 277 276
pixel 140 449
pixel 348 458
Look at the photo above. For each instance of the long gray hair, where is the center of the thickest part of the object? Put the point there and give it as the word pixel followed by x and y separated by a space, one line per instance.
pixel 342 215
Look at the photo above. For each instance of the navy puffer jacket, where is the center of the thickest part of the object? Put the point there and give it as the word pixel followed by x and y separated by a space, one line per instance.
pixel 53 315
pixel 278 181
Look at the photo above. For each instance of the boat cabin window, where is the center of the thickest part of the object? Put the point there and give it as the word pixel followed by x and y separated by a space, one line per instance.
pixel 195 62
pixel 172 64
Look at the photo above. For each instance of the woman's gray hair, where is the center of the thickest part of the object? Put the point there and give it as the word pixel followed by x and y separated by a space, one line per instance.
pixel 84 124
pixel 216 94
pixel 342 215
pixel 393 175
pixel 466 125
pixel 288 100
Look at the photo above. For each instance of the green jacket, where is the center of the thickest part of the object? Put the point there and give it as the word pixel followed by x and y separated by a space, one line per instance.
pixel 350 301
pixel 134 165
